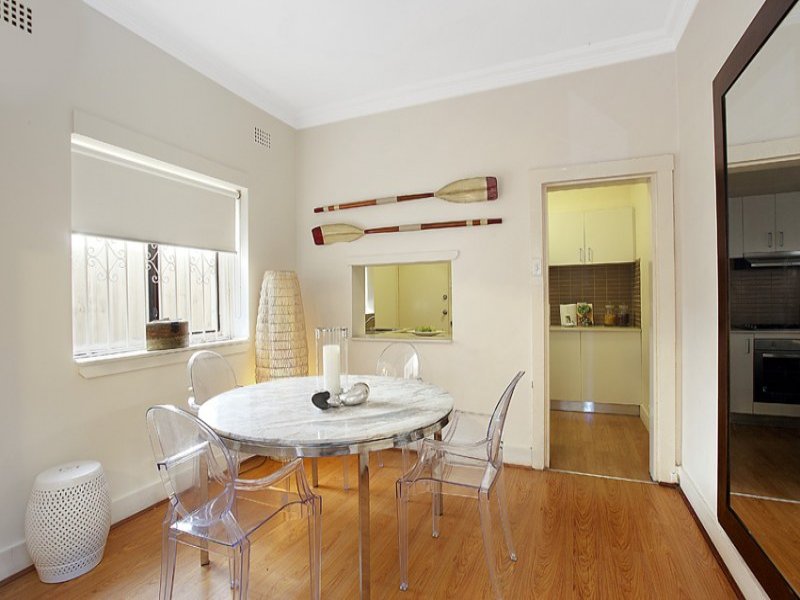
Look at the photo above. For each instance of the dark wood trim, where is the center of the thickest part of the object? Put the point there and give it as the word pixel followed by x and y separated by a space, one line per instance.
pixel 711 545
pixel 768 18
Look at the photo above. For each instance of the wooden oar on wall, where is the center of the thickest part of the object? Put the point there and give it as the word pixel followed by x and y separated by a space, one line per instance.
pixel 325 235
pixel 475 189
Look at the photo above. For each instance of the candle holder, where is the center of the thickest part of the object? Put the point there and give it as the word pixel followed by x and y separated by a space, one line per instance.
pixel 332 373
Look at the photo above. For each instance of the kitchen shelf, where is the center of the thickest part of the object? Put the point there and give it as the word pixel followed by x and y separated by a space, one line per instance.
pixel 597 328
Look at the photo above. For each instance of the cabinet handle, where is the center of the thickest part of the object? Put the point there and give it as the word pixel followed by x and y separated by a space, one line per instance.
pixel 780 243
pixel 580 255
pixel 748 346
pixel 769 240
pixel 591 255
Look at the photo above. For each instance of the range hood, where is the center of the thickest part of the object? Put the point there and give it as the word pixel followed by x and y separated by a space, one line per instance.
pixel 773 259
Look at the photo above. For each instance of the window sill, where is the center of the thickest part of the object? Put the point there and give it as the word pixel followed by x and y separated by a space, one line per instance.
pixel 99 366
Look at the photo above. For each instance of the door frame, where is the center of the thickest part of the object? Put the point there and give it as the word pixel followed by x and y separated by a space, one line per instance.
pixel 663 376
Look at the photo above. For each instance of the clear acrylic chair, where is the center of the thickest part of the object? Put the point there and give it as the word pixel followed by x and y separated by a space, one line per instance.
pixel 472 470
pixel 399 359
pixel 209 375
pixel 211 509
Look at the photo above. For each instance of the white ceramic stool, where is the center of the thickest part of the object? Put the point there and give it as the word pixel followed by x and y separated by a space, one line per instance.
pixel 67 521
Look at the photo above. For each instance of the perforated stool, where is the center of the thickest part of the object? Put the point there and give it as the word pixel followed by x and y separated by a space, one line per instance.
pixel 67 521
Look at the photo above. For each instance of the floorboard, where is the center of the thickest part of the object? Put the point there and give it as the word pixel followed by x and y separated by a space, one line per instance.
pixel 599 444
pixel 576 537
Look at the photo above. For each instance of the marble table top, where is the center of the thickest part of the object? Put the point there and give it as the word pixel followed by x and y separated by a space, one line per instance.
pixel 277 417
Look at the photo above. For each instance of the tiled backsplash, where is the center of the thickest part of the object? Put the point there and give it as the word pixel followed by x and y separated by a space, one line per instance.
pixel 598 284
pixel 765 296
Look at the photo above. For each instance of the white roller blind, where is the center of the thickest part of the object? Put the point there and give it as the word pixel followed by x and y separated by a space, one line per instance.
pixel 132 200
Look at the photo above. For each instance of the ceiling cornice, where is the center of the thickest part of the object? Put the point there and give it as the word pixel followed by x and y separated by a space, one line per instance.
pixel 559 63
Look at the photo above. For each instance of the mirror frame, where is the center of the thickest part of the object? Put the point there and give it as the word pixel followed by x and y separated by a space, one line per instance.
pixel 755 36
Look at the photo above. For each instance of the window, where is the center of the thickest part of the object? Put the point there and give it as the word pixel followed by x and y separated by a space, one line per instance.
pixel 120 285
pixel 151 242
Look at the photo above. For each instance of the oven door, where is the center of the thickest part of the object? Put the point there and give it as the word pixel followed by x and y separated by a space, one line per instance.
pixel 776 376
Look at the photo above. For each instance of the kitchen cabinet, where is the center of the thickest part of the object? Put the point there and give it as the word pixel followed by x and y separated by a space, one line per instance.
pixel 597 236
pixel 741 372
pixel 771 223
pixel 735 228
pixel 565 365
pixel 596 366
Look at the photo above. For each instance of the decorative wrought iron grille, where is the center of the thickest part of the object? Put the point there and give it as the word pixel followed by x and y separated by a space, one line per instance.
pixel 119 285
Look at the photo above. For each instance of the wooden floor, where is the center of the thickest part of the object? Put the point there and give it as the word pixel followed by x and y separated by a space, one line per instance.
pixel 576 536
pixel 600 444
pixel 765 462
pixel 776 527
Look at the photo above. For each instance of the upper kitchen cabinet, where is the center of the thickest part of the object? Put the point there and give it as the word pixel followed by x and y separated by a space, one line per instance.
pixel 771 223
pixel 592 237
pixel 566 238
pixel 787 221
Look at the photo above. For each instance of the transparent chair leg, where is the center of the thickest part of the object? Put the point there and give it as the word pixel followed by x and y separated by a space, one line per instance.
pixel 169 552
pixel 315 546
pixel 488 542
pixel 241 568
pixel 402 532
pixel 436 498
pixel 502 500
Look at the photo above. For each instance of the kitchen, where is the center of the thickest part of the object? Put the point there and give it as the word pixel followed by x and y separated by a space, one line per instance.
pixel 599 276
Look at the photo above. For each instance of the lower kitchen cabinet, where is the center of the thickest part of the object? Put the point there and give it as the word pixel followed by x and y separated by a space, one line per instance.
pixel 741 372
pixel 596 366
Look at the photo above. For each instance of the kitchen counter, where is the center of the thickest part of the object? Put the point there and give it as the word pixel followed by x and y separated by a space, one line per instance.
pixel 595 328
pixel 768 333
pixel 384 336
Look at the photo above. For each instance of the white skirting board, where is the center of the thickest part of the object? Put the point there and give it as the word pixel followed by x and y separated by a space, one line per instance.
pixel 745 579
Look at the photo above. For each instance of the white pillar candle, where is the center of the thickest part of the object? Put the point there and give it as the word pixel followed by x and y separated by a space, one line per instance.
pixel 330 368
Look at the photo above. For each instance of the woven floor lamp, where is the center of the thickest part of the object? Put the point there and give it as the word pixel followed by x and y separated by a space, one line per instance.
pixel 281 347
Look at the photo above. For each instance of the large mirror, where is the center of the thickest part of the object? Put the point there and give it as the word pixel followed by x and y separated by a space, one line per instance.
pixel 757 98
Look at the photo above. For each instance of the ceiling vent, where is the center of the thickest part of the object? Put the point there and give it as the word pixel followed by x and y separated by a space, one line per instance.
pixel 262 137
pixel 17 14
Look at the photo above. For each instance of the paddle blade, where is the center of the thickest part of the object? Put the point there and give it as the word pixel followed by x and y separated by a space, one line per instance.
pixel 337 232
pixel 474 189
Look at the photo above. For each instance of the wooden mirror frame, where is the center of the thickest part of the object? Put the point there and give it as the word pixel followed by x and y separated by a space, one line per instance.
pixel 764 24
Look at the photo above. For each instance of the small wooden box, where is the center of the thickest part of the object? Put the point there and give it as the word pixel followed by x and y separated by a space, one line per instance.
pixel 165 335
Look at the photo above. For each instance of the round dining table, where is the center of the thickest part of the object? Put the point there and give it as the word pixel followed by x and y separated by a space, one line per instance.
pixel 277 418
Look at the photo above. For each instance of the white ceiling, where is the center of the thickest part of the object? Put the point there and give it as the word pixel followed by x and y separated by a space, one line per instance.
pixel 310 62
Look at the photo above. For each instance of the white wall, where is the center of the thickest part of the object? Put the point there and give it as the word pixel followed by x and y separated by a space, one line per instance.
pixel 76 58
pixel 616 112
pixel 713 31
pixel 762 105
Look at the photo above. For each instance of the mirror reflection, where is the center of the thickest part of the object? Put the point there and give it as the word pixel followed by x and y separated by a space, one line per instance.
pixel 763 136
pixel 408 300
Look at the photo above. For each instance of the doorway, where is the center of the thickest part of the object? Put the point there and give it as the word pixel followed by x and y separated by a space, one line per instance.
pixel 599 273
pixel 661 411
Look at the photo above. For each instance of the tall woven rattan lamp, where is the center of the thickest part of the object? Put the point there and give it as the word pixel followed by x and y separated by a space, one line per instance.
pixel 281 347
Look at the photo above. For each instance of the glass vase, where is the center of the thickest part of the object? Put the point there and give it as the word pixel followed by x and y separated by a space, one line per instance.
pixel 332 375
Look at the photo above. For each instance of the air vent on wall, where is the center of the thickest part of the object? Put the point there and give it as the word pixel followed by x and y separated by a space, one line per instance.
pixel 262 137
pixel 17 14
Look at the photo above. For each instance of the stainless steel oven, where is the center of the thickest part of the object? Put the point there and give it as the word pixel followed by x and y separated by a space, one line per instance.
pixel 776 371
